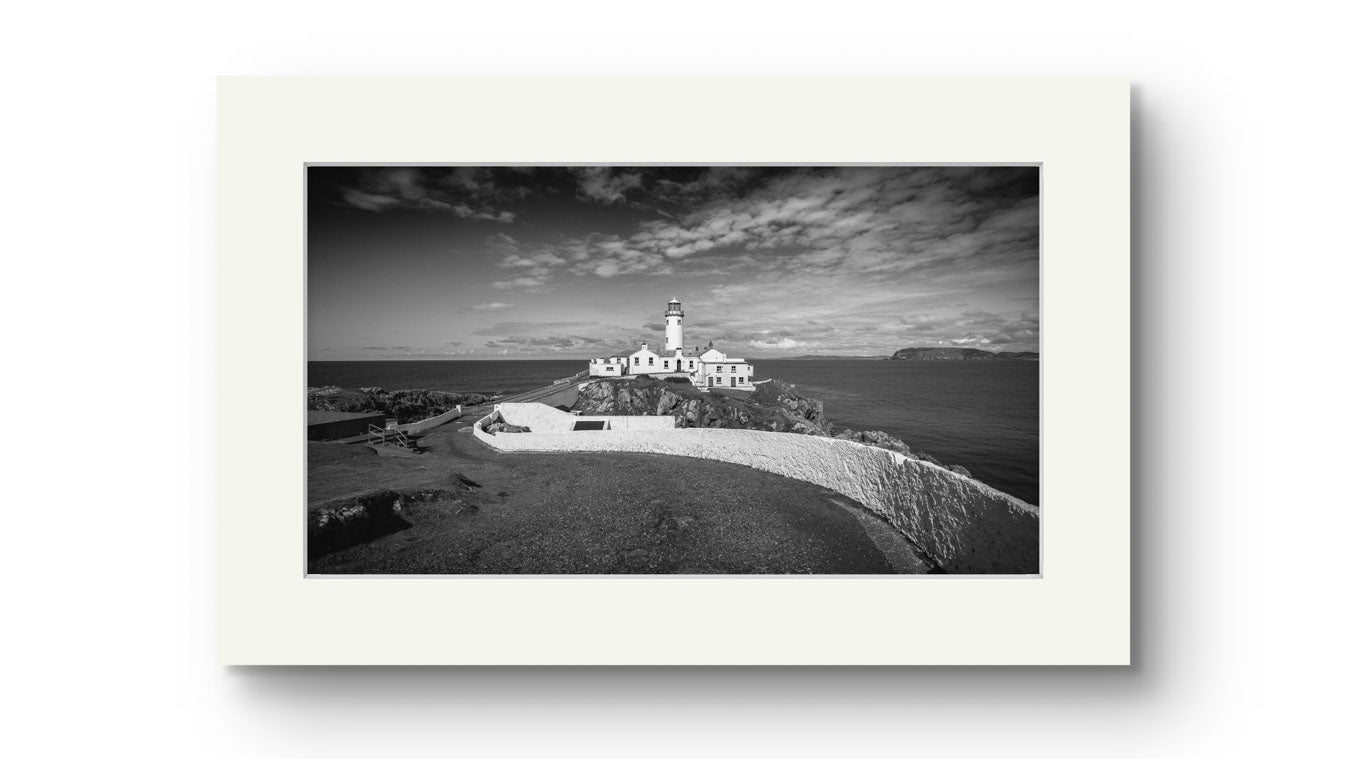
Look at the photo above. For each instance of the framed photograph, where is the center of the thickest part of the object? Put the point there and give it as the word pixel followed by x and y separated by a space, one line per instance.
pixel 585 377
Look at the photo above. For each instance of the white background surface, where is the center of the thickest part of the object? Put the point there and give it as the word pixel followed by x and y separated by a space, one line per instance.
pixel 1240 408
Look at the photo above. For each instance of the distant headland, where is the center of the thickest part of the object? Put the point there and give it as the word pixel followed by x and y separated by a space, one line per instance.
pixel 820 358
pixel 961 354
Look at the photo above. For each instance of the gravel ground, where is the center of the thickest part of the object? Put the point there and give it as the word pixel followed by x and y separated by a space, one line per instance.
pixel 600 513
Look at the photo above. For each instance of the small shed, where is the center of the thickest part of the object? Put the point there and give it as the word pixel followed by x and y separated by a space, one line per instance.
pixel 334 425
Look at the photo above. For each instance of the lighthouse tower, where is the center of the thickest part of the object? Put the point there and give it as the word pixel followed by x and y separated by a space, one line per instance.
pixel 674 326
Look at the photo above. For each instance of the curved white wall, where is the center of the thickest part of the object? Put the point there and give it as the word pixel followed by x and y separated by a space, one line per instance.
pixel 541 418
pixel 964 525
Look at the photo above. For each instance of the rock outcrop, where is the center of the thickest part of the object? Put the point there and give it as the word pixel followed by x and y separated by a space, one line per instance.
pixel 774 406
pixel 500 426
pixel 876 438
pixel 880 439
pixel 345 522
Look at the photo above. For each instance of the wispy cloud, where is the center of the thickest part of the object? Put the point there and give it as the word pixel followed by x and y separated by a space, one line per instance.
pixel 832 239
pixel 606 185
pixel 768 261
pixel 405 187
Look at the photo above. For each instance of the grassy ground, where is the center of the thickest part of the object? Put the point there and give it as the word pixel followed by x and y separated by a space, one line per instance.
pixel 605 513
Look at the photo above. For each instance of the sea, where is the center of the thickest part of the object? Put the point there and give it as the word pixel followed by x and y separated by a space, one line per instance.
pixel 983 415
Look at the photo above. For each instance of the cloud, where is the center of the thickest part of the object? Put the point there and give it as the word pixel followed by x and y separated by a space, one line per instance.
pixel 506 328
pixel 559 343
pixel 769 261
pixel 782 343
pixel 368 201
pixel 604 185
pixel 405 187
pixel 495 184
pixel 529 284
pixel 535 260
pixel 878 258
pixel 728 291
pixel 855 221
pixel 561 338
pixel 888 258
pixel 536 266
pixel 716 182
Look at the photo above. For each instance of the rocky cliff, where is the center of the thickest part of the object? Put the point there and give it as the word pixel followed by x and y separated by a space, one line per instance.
pixel 774 406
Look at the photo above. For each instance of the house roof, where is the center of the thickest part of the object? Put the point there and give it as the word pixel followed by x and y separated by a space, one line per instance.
pixel 324 417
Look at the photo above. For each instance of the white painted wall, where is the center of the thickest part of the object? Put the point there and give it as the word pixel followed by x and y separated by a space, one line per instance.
pixel 541 418
pixel 967 526
pixel 606 367
pixel 644 361
pixel 674 332
pixel 725 374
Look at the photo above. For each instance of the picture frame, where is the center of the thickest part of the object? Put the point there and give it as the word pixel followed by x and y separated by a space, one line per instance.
pixel 1076 612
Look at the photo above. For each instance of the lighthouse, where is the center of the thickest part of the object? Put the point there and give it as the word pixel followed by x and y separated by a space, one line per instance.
pixel 674 326
pixel 706 369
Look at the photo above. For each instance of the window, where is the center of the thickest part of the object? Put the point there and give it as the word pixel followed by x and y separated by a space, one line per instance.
pixel 651 361
pixel 719 379
pixel 665 364
pixel 733 370
pixel 719 370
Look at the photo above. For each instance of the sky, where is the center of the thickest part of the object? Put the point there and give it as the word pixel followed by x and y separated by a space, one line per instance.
pixel 576 262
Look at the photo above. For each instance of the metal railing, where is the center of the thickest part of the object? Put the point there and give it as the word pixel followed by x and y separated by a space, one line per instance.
pixel 387 436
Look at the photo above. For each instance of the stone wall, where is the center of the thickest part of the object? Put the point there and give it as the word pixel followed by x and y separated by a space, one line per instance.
pixel 964 525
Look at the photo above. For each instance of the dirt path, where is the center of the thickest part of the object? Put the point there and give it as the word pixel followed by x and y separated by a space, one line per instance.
pixel 605 513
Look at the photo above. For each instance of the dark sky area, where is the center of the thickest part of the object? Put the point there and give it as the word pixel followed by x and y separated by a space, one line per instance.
pixel 572 262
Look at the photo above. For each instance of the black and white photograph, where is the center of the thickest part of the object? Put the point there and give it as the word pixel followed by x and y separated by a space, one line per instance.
pixel 613 380
pixel 672 370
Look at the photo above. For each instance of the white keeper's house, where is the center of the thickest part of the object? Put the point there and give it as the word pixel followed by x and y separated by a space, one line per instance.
pixel 704 367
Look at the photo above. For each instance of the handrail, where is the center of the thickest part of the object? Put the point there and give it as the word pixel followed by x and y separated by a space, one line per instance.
pixel 383 435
